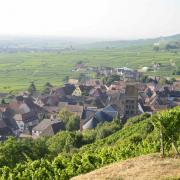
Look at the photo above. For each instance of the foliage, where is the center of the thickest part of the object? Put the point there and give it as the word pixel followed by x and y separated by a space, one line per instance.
pixel 82 78
pixel 64 142
pixel 137 119
pixel 66 79
pixel 168 124
pixel 54 66
pixel 137 138
pixel 128 142
pixel 14 150
pixel 71 121
pixel 32 88
pixel 176 72
pixel 156 48
pixel 47 88
pixel 110 79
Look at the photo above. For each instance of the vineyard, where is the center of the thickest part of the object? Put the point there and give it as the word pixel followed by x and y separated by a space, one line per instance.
pixel 69 154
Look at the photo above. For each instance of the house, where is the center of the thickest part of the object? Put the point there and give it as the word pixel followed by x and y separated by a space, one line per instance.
pixel 73 100
pixel 95 117
pixel 23 105
pixel 4 130
pixel 47 100
pixel 25 113
pixel 105 71
pixel 77 92
pixel 8 126
pixel 73 81
pixel 82 90
pixel 7 116
pixel 58 91
pixel 76 109
pixel 51 109
pixel 79 66
pixel 145 109
pixel 126 100
pixel 96 92
pixel 93 82
pixel 116 97
pixel 94 102
pixel 142 87
pixel 67 89
pixel 88 114
pixel 128 74
pixel 176 86
pixel 39 101
pixel 47 127
pixel 26 121
pixel 117 85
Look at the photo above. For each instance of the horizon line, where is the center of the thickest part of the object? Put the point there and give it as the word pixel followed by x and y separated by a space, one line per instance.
pixel 65 37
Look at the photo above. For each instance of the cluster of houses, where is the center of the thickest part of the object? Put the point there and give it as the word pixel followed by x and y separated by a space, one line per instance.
pixel 93 102
pixel 126 74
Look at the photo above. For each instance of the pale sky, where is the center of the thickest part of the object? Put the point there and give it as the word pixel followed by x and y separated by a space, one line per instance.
pixel 125 19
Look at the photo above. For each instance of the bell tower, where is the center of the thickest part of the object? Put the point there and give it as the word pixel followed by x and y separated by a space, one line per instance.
pixel 131 100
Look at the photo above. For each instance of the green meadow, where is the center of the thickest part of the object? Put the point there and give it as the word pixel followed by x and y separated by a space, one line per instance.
pixel 17 70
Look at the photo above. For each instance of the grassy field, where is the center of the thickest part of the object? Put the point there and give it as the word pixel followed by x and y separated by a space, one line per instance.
pixel 17 70
pixel 144 167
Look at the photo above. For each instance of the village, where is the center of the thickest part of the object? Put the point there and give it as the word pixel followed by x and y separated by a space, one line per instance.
pixel 122 93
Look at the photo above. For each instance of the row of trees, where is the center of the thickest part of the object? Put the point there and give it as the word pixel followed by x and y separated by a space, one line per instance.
pixel 46 89
pixel 162 81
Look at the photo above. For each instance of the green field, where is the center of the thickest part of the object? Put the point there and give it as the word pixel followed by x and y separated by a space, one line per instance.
pixel 17 70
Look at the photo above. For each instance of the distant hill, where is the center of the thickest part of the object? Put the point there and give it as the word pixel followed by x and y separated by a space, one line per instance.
pixel 149 167
pixel 129 43
pixel 57 43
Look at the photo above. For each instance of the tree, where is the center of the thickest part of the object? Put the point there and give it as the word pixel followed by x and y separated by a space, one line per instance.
pixel 109 80
pixel 156 48
pixel 66 79
pixel 71 121
pixel 47 88
pixel 170 81
pixel 144 79
pixel 32 88
pixel 3 102
pixel 82 78
pixel 162 81
pixel 168 124
pixel 64 115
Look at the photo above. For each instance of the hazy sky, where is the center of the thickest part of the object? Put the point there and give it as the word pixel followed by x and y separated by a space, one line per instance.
pixel 90 18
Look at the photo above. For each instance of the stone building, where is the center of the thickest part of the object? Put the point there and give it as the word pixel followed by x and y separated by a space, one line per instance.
pixel 131 100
